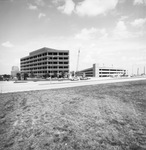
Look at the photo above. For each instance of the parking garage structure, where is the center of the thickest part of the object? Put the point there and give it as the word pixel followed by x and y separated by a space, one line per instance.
pixel 101 71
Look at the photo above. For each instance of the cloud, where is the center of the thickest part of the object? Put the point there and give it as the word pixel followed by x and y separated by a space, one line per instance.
pixel 123 18
pixel 92 33
pixel 138 22
pixel 68 7
pixel 86 7
pixel 41 15
pixel 86 34
pixel 32 7
pixel 88 59
pixel 7 44
pixel 139 2
pixel 122 1
pixel 95 7
pixel 121 31
pixel 56 1
pixel 39 2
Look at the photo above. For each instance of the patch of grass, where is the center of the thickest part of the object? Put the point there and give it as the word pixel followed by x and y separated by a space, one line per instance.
pixel 103 117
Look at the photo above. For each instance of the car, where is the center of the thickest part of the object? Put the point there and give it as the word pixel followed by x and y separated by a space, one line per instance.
pixel 85 78
pixel 75 79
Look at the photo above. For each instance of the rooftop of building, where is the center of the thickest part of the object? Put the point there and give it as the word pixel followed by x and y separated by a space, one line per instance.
pixel 102 67
pixel 42 50
pixel 45 49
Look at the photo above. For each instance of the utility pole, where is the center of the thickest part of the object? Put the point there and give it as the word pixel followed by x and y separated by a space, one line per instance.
pixel 144 70
pixel 78 60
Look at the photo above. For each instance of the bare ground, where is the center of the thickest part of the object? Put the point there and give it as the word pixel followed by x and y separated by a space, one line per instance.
pixel 99 117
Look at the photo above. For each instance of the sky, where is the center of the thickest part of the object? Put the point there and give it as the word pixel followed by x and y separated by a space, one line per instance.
pixel 107 32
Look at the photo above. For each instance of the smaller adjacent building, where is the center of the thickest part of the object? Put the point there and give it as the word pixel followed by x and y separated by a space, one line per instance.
pixel 15 70
pixel 97 71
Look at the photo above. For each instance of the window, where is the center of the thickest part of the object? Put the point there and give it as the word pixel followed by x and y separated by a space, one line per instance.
pixel 65 67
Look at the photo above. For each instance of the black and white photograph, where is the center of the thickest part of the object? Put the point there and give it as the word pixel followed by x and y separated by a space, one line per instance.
pixel 72 74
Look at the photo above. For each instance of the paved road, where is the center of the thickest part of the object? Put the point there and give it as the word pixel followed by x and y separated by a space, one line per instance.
pixel 10 86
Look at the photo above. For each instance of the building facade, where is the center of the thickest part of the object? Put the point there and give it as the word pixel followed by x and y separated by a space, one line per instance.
pixel 14 71
pixel 46 61
pixel 97 71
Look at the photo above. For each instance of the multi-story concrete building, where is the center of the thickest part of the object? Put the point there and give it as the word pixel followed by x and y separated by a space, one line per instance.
pixel 97 71
pixel 46 61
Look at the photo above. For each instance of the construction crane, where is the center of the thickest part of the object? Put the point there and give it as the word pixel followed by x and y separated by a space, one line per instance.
pixel 78 60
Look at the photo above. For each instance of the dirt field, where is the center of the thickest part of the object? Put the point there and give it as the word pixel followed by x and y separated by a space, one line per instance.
pixel 96 117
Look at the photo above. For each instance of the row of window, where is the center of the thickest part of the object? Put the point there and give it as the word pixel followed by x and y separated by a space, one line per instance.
pixel 111 70
pixel 45 63
pixel 45 59
pixel 54 67
pixel 36 72
pixel 44 54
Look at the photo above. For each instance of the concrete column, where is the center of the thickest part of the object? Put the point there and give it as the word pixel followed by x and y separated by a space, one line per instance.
pixel 95 70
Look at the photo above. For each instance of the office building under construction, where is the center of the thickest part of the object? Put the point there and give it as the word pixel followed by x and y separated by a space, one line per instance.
pixel 46 61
